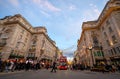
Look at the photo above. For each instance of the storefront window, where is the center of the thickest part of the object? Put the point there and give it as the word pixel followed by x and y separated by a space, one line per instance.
pixel 98 53
pixel 95 54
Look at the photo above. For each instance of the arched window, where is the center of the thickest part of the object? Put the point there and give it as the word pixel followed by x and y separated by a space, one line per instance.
pixel 34 42
pixel 95 41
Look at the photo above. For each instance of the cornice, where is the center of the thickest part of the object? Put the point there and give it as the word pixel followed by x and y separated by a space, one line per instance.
pixel 48 38
pixel 91 25
pixel 17 22
pixel 108 9
pixel 18 16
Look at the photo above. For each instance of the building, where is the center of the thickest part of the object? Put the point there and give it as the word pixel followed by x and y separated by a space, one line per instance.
pixel 99 41
pixel 19 39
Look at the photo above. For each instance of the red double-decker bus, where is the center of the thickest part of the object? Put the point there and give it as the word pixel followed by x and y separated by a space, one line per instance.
pixel 63 63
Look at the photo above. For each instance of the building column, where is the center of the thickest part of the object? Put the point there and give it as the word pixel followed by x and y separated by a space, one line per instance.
pixel 114 23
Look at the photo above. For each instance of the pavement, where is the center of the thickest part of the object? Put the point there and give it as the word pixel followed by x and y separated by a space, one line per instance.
pixel 2 73
pixel 60 74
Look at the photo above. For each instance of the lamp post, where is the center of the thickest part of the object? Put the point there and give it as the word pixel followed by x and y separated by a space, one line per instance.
pixel 90 48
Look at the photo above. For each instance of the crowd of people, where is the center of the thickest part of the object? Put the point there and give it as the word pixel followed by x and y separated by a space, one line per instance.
pixel 12 65
pixel 104 67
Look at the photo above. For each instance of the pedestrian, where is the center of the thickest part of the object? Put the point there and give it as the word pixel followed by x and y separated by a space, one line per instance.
pixel 7 64
pixel 54 67
pixel 11 65
pixel 119 68
pixel 27 65
pixel 47 66
pixel 0 65
pixel 113 68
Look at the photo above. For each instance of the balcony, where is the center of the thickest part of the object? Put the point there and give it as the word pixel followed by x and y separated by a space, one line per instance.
pixel 97 47
pixel 4 37
pixel 15 56
pixel 2 44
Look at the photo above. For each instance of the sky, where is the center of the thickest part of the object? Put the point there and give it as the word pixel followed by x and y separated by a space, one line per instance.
pixel 62 18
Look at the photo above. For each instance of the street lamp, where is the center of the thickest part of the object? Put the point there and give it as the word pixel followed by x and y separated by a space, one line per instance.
pixel 90 48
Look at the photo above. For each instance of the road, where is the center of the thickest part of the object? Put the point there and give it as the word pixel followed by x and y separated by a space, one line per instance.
pixel 60 74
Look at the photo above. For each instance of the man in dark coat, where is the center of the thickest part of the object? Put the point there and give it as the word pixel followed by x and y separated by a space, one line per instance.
pixel 53 67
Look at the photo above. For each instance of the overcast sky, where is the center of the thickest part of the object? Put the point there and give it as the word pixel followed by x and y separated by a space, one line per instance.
pixel 62 18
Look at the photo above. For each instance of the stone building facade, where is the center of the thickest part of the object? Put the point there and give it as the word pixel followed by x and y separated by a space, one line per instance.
pixel 99 41
pixel 18 39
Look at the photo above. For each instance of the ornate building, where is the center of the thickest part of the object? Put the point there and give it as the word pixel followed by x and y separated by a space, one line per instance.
pixel 18 39
pixel 99 41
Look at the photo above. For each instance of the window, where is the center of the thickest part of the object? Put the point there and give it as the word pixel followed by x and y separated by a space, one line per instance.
pixel 22 31
pixel 117 3
pixel 92 32
pixel 117 18
pixel 108 43
pixel 20 37
pixel 95 41
pixel 33 54
pixel 26 40
pixel 114 51
pixel 0 34
pixel 3 29
pixel 118 50
pixel 34 42
pixel 102 28
pixel 110 30
pixel 105 34
pixel 107 22
pixel 35 37
pixel 114 39
pixel 109 52
pixel 98 53
pixel 27 34
pixel 29 54
pixel 17 45
pixel 95 54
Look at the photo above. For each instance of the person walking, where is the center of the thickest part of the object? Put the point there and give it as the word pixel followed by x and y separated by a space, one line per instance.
pixel 47 66
pixel 54 67
pixel 119 68
pixel 1 65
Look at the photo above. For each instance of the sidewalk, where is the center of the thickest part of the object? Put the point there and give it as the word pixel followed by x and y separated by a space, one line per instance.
pixel 16 71
pixel 2 73
pixel 115 73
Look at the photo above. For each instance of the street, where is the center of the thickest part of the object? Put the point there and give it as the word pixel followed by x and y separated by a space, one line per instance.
pixel 60 74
